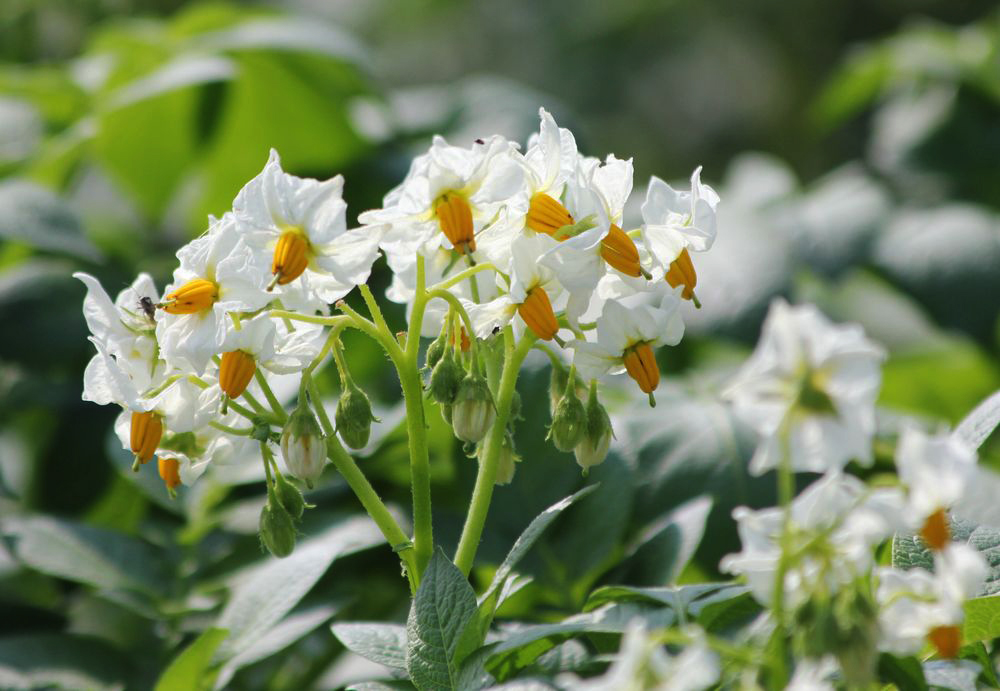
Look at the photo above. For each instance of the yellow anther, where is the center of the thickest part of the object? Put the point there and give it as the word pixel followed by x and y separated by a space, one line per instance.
pixel 463 340
pixel 681 272
pixel 640 363
pixel 547 215
pixel 235 372
pixel 536 311
pixel 947 640
pixel 291 257
pixel 620 252
pixel 193 296
pixel 170 472
pixel 935 531
pixel 454 215
pixel 144 436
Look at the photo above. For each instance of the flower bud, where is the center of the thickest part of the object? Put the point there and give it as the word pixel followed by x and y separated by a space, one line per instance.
pixel 290 497
pixel 445 379
pixel 569 424
pixel 435 351
pixel 557 387
pixel 473 412
pixel 593 448
pixel 507 463
pixel 354 417
pixel 277 532
pixel 302 445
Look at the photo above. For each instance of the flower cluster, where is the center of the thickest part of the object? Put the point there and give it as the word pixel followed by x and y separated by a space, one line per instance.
pixel 809 392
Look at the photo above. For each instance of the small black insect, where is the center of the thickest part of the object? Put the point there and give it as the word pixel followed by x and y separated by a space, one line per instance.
pixel 148 308
pixel 480 141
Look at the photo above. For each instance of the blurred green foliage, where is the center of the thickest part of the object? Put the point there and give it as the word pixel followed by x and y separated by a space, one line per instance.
pixel 122 124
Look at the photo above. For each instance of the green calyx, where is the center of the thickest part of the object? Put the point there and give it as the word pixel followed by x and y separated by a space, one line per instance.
pixel 354 417
pixel 289 496
pixel 277 530
pixel 446 377
pixel 569 423
pixel 473 411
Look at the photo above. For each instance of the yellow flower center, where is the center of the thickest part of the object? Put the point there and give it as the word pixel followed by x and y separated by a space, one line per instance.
pixel 935 531
pixel 640 363
pixel 291 256
pixel 547 215
pixel 620 252
pixel 235 372
pixel 144 435
pixel 170 471
pixel 193 296
pixel 536 311
pixel 681 272
pixel 946 639
pixel 454 215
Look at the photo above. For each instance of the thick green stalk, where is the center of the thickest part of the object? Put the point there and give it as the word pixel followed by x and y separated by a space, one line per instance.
pixel 482 494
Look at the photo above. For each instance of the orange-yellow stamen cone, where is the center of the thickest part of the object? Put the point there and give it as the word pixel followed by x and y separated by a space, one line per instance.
pixel 546 215
pixel 536 311
pixel 640 363
pixel 144 435
pixel 620 252
pixel 682 273
pixel 291 256
pixel 193 296
pixel 235 372
pixel 455 218
pixel 947 640
pixel 170 472
pixel 935 531
pixel 463 340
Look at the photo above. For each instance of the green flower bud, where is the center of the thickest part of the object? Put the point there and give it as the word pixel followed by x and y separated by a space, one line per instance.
pixel 593 448
pixel 290 497
pixel 508 461
pixel 277 532
pixel 435 351
pixel 569 423
pixel 302 445
pixel 446 411
pixel 473 412
pixel 558 381
pixel 354 417
pixel 445 379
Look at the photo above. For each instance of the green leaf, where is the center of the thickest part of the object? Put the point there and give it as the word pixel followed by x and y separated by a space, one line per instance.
pixel 191 669
pixel 33 215
pixel 271 590
pixel 904 672
pixel 855 86
pixel 665 547
pixel 677 597
pixel 980 423
pixel 490 599
pixel 42 661
pixel 85 554
pixel 909 551
pixel 982 618
pixel 523 646
pixel 440 616
pixel 381 643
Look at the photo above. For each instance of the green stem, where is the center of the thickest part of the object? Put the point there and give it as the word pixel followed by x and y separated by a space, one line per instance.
pixel 456 304
pixel 272 400
pixel 230 430
pixel 373 308
pixel 786 492
pixel 482 494
pixel 466 273
pixel 365 493
pixel 254 403
pixel 245 412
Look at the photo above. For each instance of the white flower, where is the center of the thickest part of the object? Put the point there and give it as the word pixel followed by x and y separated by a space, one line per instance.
pixel 674 221
pixel 300 225
pixel 837 517
pixel 917 606
pixel 643 664
pixel 810 385
pixel 626 338
pixel 813 675
pixel 218 273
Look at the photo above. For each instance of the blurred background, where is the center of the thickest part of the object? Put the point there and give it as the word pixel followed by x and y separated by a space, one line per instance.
pixel 855 144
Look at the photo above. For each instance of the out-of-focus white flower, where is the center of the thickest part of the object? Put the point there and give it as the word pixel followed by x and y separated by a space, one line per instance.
pixel 643 664
pixel 813 675
pixel 836 523
pixel 918 607
pixel 936 471
pixel 300 225
pixel 626 338
pixel 809 391
pixel 218 273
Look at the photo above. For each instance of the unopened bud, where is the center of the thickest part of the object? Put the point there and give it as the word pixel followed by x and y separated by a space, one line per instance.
pixel 593 448
pixel 507 463
pixel 445 379
pixel 354 417
pixel 302 445
pixel 569 423
pixel 473 412
pixel 277 531
pixel 558 380
pixel 290 497
pixel 435 351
